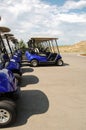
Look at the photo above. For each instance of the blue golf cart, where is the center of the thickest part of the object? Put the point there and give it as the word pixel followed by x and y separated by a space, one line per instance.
pixel 9 90
pixel 37 53
pixel 16 55
pixel 10 62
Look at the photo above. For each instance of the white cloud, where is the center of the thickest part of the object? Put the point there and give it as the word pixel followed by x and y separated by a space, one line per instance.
pixel 29 18
pixel 73 18
pixel 71 4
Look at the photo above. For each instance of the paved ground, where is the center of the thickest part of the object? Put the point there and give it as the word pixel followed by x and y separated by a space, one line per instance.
pixel 53 98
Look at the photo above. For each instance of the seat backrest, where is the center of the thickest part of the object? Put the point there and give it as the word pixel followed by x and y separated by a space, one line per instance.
pixel 36 50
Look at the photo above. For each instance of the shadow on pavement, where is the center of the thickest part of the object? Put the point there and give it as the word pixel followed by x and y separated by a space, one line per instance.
pixel 66 64
pixel 47 65
pixel 25 64
pixel 28 79
pixel 24 70
pixel 31 102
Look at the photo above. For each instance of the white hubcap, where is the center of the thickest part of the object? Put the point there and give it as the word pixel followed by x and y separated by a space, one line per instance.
pixel 4 116
pixel 34 63
pixel 60 62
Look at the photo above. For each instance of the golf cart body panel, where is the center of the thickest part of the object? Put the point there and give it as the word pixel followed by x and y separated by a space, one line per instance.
pixel 7 81
pixel 13 65
pixel 42 59
pixel 16 58
pixel 39 58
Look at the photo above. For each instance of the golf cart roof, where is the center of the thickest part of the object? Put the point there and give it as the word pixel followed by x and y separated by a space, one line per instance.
pixel 4 29
pixel 43 39
pixel 9 34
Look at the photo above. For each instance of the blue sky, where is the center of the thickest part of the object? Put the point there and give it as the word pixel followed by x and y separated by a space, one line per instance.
pixel 55 2
pixel 65 19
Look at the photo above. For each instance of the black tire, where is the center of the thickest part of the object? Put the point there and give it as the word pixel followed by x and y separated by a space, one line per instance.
pixel 60 62
pixel 17 76
pixel 34 63
pixel 7 114
pixel 9 101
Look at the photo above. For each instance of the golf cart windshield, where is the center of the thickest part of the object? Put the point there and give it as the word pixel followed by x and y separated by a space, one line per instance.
pixel 44 44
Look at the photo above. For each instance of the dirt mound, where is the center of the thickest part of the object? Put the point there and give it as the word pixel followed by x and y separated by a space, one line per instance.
pixel 77 47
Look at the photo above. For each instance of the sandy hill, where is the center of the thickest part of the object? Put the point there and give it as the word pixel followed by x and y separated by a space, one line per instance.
pixel 77 47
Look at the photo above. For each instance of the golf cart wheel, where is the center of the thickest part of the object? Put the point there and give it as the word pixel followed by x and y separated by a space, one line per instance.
pixel 60 62
pixel 34 63
pixel 7 114
pixel 9 101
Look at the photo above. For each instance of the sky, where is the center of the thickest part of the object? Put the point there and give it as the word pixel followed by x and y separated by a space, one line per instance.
pixel 64 19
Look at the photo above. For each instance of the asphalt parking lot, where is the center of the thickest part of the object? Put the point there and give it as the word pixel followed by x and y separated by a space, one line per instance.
pixel 53 98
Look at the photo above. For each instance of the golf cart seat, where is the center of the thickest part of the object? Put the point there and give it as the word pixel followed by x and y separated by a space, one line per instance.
pixel 36 50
